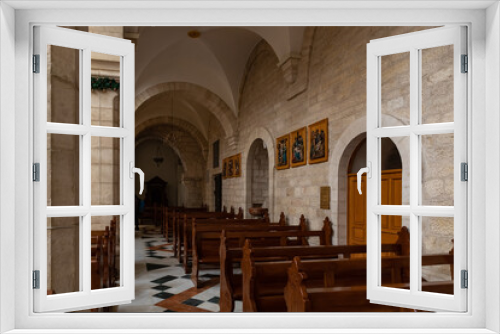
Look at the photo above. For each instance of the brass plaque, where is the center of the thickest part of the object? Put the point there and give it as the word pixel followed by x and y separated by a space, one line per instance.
pixel 325 198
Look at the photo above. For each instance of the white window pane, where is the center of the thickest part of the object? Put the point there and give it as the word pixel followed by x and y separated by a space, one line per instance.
pixel 105 86
pixel 63 170
pixel 395 89
pixel 63 255
pixel 395 171
pixel 105 252
pixel 437 250
pixel 63 85
pixel 105 171
pixel 437 85
pixel 437 169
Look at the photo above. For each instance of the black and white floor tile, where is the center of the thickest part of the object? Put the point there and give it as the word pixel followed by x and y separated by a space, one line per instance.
pixel 161 285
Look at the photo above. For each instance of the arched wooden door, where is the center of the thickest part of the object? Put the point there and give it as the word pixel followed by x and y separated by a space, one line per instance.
pixel 356 212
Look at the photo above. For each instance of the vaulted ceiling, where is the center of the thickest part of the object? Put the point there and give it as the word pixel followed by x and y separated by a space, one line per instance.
pixel 215 60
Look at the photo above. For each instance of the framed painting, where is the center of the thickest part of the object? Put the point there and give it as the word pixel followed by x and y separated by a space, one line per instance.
pixel 318 142
pixel 236 165
pixel 283 152
pixel 298 140
pixel 224 168
pixel 231 166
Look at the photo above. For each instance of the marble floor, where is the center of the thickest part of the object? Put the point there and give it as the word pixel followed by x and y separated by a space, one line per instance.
pixel 161 284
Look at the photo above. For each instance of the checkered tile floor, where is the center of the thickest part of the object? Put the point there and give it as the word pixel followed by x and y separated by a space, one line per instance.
pixel 161 284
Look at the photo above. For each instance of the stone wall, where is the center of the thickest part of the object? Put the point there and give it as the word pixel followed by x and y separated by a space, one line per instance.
pixel 336 89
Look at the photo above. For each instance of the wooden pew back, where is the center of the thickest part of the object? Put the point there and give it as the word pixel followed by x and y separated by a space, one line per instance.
pixel 270 264
pixel 303 292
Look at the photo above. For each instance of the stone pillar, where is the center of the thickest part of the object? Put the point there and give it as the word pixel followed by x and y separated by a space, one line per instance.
pixel 290 67
pixel 231 144
pixel 193 191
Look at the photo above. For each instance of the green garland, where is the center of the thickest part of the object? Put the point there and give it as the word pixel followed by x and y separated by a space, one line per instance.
pixel 104 83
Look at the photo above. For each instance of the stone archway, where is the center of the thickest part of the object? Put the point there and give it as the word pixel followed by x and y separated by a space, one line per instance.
pixel 192 159
pixel 189 91
pixel 266 141
pixel 176 123
pixel 257 175
pixel 355 204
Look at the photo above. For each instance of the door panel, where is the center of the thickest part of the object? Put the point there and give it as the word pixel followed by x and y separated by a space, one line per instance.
pixel 391 194
pixel 84 172
pixel 433 90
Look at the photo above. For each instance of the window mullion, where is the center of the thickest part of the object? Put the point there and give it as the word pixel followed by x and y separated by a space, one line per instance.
pixel 414 169
pixel 86 165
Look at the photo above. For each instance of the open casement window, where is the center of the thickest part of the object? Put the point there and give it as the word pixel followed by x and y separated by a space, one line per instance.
pixel 417 97
pixel 83 155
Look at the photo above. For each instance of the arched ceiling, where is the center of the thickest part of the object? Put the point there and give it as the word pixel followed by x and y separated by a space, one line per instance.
pixel 170 106
pixel 216 60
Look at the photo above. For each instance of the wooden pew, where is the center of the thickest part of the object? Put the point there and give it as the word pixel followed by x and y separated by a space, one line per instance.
pixel 212 225
pixel 183 223
pixel 186 235
pixel 337 289
pixel 264 270
pixel 168 220
pixel 205 244
pixel 181 219
pixel 231 254
pixel 105 243
pixel 97 273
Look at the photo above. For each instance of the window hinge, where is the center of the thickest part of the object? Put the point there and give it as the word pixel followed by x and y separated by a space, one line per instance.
pixel 465 64
pixel 464 175
pixel 36 172
pixel 36 63
pixel 465 279
pixel 36 279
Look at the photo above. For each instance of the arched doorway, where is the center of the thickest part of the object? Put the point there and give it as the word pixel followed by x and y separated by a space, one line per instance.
pixel 258 175
pixel 392 171
pixel 168 169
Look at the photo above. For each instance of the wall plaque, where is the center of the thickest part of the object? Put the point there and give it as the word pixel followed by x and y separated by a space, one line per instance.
pixel 324 198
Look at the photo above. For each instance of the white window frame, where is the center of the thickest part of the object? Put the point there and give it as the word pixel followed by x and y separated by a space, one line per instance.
pixel 85 43
pixel 484 103
pixel 414 43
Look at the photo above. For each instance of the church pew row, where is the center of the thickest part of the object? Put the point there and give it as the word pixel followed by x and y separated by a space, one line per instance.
pixel 264 269
pixel 302 294
pixel 168 214
pixel 199 227
pixel 179 219
pixel 183 226
pixel 231 243
pixel 206 239
pixel 168 218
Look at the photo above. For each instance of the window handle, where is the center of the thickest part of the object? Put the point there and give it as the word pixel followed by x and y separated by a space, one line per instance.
pixel 368 171
pixel 141 175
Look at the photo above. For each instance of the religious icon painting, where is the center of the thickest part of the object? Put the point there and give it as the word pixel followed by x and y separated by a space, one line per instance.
pixel 231 166
pixel 298 144
pixel 318 142
pixel 283 152
pixel 224 168
pixel 237 165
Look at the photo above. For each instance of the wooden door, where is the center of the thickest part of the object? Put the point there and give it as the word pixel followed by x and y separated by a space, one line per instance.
pixel 356 204
pixel 218 192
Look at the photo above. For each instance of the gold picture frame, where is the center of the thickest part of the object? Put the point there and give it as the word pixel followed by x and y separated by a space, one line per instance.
pixel 298 147
pixel 282 152
pixel 318 141
pixel 231 166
